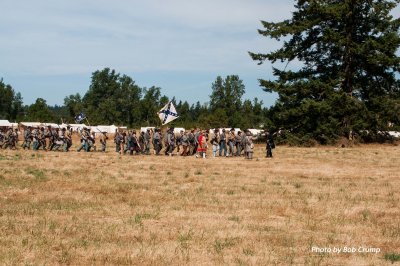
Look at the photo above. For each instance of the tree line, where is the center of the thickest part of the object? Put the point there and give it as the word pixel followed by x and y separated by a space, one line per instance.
pixel 114 98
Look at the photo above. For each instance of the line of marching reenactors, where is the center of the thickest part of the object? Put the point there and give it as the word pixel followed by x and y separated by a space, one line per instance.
pixel 46 138
pixel 9 139
pixel 186 143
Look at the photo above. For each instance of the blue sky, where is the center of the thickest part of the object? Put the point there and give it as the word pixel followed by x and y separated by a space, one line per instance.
pixel 49 48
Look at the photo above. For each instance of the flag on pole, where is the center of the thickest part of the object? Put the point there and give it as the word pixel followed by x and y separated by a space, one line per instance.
pixel 80 117
pixel 168 113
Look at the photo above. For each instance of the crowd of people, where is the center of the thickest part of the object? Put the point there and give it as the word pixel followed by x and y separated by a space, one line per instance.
pixel 196 142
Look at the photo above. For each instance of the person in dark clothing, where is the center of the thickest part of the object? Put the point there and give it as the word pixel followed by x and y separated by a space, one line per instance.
pixel 270 143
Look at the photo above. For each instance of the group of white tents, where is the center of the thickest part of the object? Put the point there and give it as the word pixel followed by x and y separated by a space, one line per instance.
pixel 75 127
pixel 104 128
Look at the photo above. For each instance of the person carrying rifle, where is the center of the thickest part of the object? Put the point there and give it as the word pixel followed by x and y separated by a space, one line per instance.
pixel 157 141
pixel 147 139
pixel 27 138
pixel 68 139
pixel 103 140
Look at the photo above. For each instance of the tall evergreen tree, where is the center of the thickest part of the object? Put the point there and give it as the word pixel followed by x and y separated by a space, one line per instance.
pixel 347 80
pixel 227 95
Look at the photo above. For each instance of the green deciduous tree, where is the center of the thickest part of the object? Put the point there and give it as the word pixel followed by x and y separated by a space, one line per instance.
pixel 74 105
pixel 112 98
pixel 347 78
pixel 40 112
pixel 11 105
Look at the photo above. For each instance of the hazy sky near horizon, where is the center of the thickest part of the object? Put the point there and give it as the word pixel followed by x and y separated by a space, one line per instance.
pixel 49 49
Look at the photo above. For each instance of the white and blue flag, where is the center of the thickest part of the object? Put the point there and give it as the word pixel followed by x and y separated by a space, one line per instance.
pixel 168 113
pixel 80 117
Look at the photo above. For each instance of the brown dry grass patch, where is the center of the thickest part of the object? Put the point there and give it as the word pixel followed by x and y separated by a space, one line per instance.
pixel 93 208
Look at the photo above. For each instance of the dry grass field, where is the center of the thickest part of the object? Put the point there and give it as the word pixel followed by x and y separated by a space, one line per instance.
pixel 93 208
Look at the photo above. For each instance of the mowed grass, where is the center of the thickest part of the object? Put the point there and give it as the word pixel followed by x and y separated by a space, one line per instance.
pixel 93 208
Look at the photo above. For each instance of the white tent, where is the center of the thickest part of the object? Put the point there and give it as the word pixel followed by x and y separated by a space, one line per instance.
pixel 144 129
pixel 177 130
pixel 5 123
pixel 31 124
pixel 53 125
pixel 394 134
pixel 76 127
pixel 109 129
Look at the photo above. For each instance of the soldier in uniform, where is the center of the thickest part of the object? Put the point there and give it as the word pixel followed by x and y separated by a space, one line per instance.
pixel 8 139
pixel 249 145
pixel 238 143
pixel 157 141
pixel 215 142
pixel 185 144
pixel 14 139
pixel 84 140
pixel 92 141
pixel 179 141
pixel 147 139
pixel 170 141
pixel 133 143
pixel 35 139
pixel 128 142
pixel 27 138
pixel 141 142
pixel 58 139
pixel 51 135
pixel 123 142
pixel 270 143
pixel 103 141
pixel 68 139
pixel 231 142
pixel 1 139
pixel 118 138
pixel 191 142
pixel 222 143
pixel 197 134
pixel 42 139
pixel 243 141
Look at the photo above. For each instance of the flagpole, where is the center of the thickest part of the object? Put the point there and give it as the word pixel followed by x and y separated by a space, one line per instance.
pixel 87 121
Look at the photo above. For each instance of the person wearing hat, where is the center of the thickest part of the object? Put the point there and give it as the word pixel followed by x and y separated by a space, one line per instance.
pixel 103 140
pixel 27 138
pixel 42 139
pixel 202 147
pixel 185 144
pixel 231 142
pixel 68 139
pixel 147 139
pixel 222 143
pixel 215 142
pixel 179 141
pixel 249 145
pixel 35 139
pixel 170 141
pixel 238 143
pixel 84 140
pixel 270 143
pixel 157 141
